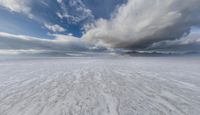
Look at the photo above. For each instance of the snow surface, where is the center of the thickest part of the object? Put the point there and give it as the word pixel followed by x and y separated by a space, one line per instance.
pixel 100 86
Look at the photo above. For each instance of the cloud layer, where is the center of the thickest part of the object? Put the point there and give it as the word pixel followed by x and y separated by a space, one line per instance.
pixel 162 25
pixel 21 44
pixel 185 44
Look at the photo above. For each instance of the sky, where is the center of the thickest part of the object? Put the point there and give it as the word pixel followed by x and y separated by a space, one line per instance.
pixel 64 27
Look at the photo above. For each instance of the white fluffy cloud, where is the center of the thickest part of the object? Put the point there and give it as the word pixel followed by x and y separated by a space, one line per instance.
pixel 25 7
pixel 140 23
pixel 55 28
pixel 79 12
pixel 59 1
pixel 16 5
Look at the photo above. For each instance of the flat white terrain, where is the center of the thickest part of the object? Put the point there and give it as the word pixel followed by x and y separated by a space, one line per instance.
pixel 100 86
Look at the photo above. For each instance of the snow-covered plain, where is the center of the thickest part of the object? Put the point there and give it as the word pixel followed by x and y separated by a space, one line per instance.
pixel 100 86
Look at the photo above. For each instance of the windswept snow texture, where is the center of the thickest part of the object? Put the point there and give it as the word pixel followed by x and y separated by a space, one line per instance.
pixel 107 86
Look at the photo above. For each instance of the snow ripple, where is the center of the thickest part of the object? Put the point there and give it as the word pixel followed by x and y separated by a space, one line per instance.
pixel 86 86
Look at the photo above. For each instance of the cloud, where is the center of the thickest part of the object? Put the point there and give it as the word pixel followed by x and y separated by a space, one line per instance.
pixel 21 43
pixel 60 1
pixel 140 23
pixel 187 43
pixel 136 25
pixel 103 8
pixel 20 6
pixel 55 28
pixel 21 52
pixel 74 11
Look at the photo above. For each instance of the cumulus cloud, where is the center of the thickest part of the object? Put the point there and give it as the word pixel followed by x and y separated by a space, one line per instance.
pixel 140 23
pixel 55 28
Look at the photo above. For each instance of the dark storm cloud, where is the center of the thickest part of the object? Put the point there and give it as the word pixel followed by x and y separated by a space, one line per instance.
pixel 187 43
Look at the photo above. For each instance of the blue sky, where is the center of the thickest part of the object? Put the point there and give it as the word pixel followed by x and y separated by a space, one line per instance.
pixel 66 15
pixel 99 25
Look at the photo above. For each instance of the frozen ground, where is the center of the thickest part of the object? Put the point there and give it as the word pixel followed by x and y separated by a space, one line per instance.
pixel 107 86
